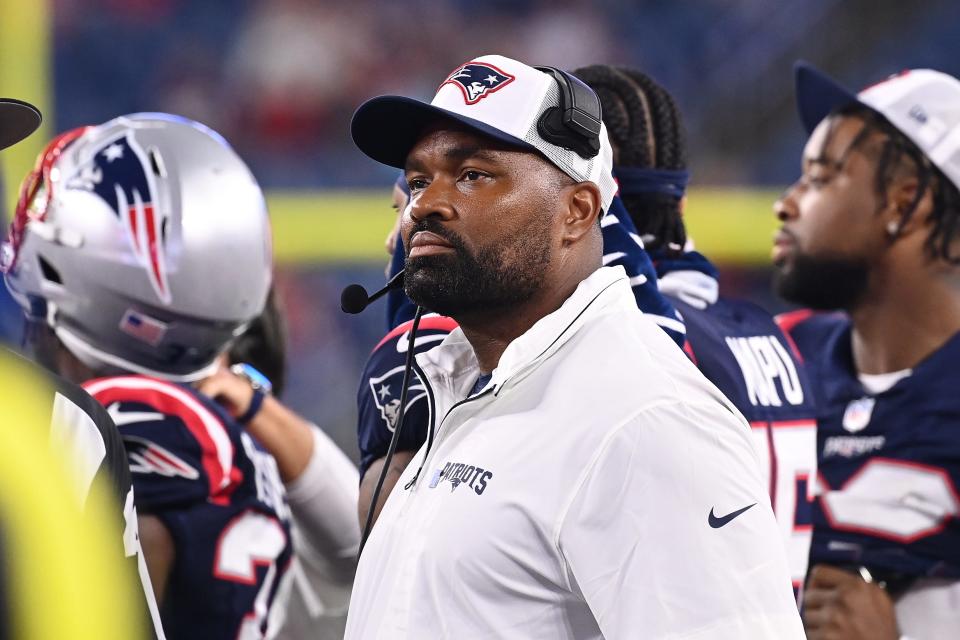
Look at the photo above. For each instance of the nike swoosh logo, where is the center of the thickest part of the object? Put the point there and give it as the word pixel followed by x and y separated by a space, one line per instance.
pixel 717 522
pixel 121 418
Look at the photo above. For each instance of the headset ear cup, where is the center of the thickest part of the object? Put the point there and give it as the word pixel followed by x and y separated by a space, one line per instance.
pixel 575 123
pixel 551 128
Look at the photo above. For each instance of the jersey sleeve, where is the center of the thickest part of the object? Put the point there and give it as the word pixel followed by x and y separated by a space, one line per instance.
pixel 178 448
pixel 670 531
pixel 378 398
pixel 622 246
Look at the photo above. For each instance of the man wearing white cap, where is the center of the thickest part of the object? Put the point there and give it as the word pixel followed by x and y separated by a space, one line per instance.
pixel 870 228
pixel 584 480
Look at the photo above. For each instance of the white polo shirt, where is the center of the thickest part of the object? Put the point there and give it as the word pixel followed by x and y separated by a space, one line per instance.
pixel 585 492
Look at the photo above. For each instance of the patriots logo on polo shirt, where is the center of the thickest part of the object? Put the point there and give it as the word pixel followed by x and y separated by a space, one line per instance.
pixel 477 80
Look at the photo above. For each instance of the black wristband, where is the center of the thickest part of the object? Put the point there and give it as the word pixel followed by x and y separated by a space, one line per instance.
pixel 255 403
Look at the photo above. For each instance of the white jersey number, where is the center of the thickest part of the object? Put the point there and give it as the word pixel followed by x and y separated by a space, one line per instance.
pixel 251 540
pixel 893 499
pixel 788 455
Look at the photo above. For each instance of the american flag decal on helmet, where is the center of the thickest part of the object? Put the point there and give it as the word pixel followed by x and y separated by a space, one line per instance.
pixel 143 327
pixel 120 174
pixel 477 80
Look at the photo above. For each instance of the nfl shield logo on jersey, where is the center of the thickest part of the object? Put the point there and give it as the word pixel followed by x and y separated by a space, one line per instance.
pixel 857 416
pixel 477 80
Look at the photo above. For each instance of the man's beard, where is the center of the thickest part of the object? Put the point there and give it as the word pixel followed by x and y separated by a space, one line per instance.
pixel 823 283
pixel 461 283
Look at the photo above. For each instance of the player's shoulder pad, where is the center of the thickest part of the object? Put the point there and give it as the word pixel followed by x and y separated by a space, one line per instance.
pixel 378 398
pixel 168 428
pixel 431 326
pixel 391 351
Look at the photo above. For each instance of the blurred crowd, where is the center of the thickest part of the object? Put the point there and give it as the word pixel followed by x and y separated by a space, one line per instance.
pixel 281 78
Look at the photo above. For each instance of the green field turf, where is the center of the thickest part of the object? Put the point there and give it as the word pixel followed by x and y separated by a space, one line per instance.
pixel 729 225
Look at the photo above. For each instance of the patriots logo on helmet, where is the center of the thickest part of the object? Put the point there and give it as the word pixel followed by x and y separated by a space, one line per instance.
pixel 119 174
pixel 386 394
pixel 477 80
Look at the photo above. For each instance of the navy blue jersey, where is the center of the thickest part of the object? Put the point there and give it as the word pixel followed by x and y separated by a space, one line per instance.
pixel 889 463
pixel 221 498
pixel 623 247
pixel 378 398
pixel 739 348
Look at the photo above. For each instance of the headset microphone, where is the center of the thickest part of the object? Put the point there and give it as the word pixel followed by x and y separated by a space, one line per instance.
pixel 354 298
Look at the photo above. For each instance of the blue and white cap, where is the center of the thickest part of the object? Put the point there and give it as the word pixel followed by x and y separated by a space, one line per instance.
pixel 493 95
pixel 923 104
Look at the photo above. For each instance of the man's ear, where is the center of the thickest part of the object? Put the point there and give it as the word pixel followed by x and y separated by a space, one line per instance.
pixel 901 195
pixel 583 207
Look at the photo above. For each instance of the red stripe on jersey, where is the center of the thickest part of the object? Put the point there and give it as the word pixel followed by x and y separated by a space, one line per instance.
pixel 787 321
pixel 440 323
pixel 215 445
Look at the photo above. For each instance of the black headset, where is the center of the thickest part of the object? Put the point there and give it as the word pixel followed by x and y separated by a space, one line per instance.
pixel 575 123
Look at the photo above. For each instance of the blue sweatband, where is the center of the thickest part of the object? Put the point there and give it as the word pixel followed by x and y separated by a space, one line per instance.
pixel 636 181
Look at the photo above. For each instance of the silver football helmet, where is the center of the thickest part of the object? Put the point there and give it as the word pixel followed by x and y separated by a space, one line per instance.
pixel 143 243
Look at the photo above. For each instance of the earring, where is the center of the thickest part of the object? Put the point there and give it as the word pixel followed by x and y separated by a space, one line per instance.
pixel 893 228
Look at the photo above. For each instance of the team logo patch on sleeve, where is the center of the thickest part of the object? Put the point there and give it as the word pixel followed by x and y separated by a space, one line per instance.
pixel 477 80
pixel 149 457
pixel 386 394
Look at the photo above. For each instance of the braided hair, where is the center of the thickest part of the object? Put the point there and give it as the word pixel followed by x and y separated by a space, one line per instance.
pixel 899 154
pixel 646 132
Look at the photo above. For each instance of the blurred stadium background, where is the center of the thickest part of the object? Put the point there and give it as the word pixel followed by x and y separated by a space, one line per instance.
pixel 280 79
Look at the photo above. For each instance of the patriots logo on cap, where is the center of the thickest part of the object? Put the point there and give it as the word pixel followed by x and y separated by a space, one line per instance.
pixel 477 80
pixel 119 174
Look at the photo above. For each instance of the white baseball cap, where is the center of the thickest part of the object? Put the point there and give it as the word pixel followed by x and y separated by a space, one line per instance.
pixel 495 96
pixel 18 120
pixel 923 104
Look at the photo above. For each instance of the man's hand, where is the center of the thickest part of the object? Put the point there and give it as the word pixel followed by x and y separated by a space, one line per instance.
pixel 232 391
pixel 839 605
pixel 283 433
